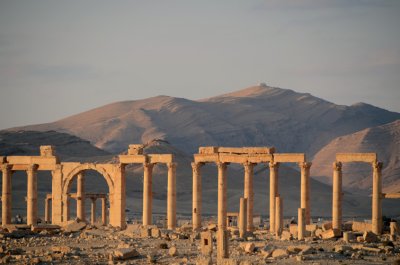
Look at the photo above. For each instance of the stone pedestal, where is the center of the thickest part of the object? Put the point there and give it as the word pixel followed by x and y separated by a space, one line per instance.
pixel 196 204
pixel 337 197
pixel 278 215
pixel 31 195
pixel 222 190
pixel 147 193
pixel 377 198
pixel 171 202
pixel 243 217
pixel 301 224
pixel 6 194
pixel 273 191
pixel 93 211
pixel 394 229
pixel 80 193
pixel 305 190
pixel 249 193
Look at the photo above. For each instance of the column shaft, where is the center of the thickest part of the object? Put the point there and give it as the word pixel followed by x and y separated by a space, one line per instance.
pixel 337 196
pixel 31 195
pixel 104 211
pixel 377 198
pixel 147 193
pixel 80 192
pixel 273 191
pixel 196 204
pixel 47 210
pixel 278 215
pixel 171 203
pixel 249 194
pixel 301 227
pixel 243 217
pixel 222 185
pixel 93 211
pixel 6 195
pixel 305 190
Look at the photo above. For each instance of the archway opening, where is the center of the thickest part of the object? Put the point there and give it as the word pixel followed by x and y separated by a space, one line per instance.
pixel 95 190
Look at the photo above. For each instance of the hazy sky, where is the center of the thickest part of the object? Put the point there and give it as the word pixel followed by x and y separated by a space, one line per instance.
pixel 58 58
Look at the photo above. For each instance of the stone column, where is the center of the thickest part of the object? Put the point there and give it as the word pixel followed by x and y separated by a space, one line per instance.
pixel 147 193
pixel 273 191
pixel 243 217
pixel 80 193
pixel 337 196
pixel 67 208
pixel 171 202
pixel 278 215
pixel 301 224
pixel 6 195
pixel 47 210
pixel 93 211
pixel 104 211
pixel 249 194
pixel 305 190
pixel 394 230
pixel 377 198
pixel 222 185
pixel 31 195
pixel 196 204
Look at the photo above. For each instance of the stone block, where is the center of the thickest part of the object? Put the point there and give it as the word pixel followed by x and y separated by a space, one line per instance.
pixel 293 229
pixel 311 227
pixel 370 237
pixel 286 235
pixel 74 226
pixel 135 149
pixel 125 253
pixel 206 243
pixel 47 150
pixel 155 233
pixel 280 253
pixel 208 150
pixel 331 233
pixel 327 226
pixel 249 247
pixel 343 248
pixel 227 261
pixel 204 261
pixel 361 227
pixel 145 232
pixel 173 251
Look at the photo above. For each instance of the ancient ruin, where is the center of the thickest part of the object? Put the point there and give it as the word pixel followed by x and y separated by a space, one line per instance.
pixel 230 230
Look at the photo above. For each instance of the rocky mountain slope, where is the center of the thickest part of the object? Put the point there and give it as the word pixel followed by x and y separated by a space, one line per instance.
pixel 256 116
pixel 384 140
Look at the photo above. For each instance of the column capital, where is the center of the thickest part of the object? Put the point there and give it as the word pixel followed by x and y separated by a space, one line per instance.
pixel 377 165
pixel 305 165
pixel 337 166
pixel 148 165
pixel 172 165
pixel 273 165
pixel 221 165
pixel 248 165
pixel 32 167
pixel 6 167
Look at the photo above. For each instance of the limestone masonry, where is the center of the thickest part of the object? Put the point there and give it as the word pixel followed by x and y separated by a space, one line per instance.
pixel 63 174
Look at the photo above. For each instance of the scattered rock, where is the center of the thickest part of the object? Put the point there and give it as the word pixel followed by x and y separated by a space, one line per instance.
pixel 280 253
pixel 370 237
pixel 74 226
pixel 125 253
pixel 173 251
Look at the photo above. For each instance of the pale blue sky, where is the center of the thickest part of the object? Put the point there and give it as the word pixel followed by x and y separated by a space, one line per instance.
pixel 58 58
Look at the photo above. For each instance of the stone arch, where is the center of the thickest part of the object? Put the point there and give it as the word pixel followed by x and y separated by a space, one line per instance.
pixel 87 166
